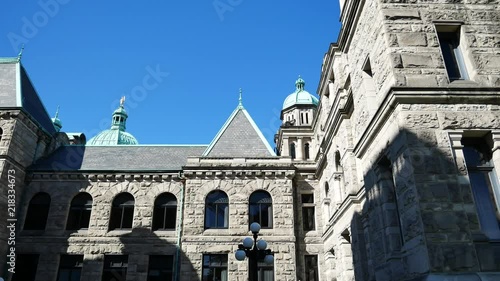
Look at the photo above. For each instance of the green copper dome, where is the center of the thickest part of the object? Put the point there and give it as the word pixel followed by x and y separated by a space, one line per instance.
pixel 300 96
pixel 116 135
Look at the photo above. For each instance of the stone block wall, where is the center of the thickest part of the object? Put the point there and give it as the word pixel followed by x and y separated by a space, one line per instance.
pixel 97 241
pixel 239 179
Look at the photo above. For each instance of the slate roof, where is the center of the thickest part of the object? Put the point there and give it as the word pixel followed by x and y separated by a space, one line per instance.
pixel 239 137
pixel 119 158
pixel 17 91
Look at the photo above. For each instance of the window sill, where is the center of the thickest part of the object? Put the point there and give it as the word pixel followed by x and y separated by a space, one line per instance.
pixel 463 83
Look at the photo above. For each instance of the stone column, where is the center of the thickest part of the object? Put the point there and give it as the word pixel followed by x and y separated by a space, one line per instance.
pixel 285 147
pixel 299 149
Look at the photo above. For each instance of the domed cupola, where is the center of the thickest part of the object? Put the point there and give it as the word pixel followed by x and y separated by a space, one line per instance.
pixel 299 107
pixel 300 96
pixel 116 135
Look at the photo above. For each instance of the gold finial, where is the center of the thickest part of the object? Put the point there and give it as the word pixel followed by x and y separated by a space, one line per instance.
pixel 122 101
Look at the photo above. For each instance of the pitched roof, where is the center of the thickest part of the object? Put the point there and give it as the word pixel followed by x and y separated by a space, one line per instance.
pixel 17 91
pixel 239 137
pixel 119 158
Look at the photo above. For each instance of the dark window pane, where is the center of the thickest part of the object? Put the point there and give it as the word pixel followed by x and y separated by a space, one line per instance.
pixel 214 267
pixel 70 268
pixel 122 212
pixel 311 268
pixel 170 217
pixel 260 209
pixel 165 212
pixel 217 210
pixel 449 42
pixel 307 198
pixel 26 265
pixel 160 268
pixel 308 218
pixel 484 204
pixel 115 268
pixel 128 217
pixel 38 212
pixel 79 214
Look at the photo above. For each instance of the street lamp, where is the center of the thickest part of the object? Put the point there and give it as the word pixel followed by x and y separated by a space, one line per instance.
pixel 255 251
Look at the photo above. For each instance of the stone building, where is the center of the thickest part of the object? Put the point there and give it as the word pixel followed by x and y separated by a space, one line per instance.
pixel 392 174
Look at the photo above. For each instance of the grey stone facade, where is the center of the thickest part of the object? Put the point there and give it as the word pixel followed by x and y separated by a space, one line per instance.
pixel 377 185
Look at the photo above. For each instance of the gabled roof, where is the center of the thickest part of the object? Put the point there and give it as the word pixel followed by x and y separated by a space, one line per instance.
pixel 119 158
pixel 239 137
pixel 17 91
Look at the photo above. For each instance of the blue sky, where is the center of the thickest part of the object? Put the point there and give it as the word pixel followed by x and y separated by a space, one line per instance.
pixel 180 63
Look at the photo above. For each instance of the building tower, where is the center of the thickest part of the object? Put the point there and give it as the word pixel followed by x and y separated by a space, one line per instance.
pixel 294 138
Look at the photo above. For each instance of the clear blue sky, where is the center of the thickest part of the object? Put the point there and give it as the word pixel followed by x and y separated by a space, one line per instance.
pixel 85 55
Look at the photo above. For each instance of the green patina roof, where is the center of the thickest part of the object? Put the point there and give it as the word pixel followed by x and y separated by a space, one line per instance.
pixel 116 135
pixel 300 96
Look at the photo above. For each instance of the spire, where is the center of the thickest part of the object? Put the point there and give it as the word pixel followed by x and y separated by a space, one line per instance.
pixel 119 117
pixel 299 84
pixel 57 123
pixel 240 102
pixel 20 53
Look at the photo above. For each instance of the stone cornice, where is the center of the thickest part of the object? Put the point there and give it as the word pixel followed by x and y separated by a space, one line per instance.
pixel 410 95
pixel 104 177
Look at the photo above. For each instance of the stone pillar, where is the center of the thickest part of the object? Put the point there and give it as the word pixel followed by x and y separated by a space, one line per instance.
pixel 92 267
pixel 299 149
pixel 285 147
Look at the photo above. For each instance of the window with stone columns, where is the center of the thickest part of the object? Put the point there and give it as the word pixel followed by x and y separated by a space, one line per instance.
pixel 38 212
pixel 122 212
pixel 217 210
pixel 476 151
pixel 165 212
pixel 79 212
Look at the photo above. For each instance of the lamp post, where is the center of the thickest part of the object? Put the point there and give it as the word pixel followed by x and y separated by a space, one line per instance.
pixel 255 251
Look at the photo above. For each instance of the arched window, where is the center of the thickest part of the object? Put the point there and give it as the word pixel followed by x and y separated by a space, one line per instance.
pixel 79 212
pixel 261 209
pixel 165 212
pixel 1 134
pixel 122 212
pixel 327 189
pixel 216 210
pixel 38 212
pixel 292 150
pixel 306 151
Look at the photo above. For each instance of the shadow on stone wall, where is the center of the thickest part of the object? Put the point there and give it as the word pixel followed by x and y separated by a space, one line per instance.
pixel 419 217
